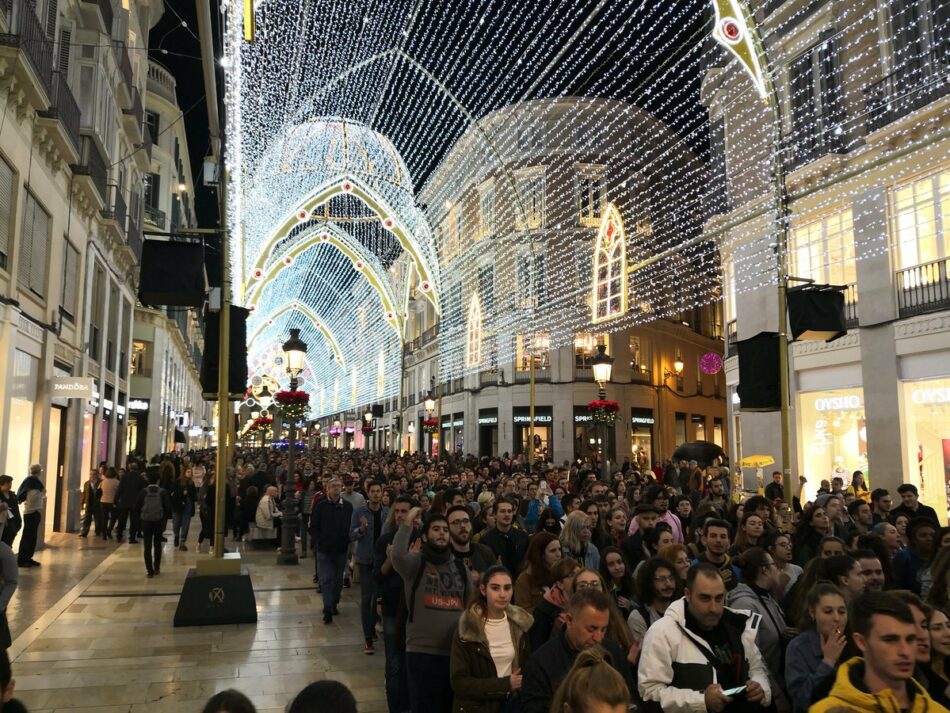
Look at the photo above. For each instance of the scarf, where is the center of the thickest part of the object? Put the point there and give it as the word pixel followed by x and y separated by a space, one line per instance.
pixel 556 597
pixel 435 556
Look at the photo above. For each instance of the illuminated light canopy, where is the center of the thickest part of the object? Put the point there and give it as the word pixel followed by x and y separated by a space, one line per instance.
pixel 609 279
pixel 311 316
pixel 474 327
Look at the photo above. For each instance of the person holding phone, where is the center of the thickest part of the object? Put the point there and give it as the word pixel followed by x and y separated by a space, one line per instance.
pixel 701 655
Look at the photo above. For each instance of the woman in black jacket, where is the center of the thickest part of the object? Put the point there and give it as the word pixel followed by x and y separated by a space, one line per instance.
pixel 183 496
pixel 548 614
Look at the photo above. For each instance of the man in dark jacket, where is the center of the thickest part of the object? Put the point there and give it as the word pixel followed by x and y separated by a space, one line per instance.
pixel 153 508
pixel 588 616
pixel 507 542
pixel 330 534
pixel 476 557
pixel 126 500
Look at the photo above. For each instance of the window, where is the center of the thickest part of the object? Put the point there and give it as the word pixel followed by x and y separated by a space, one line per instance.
pixel 823 250
pixel 153 183
pixel 717 431
pixel 589 194
pixel 152 120
pixel 609 297
pixel 585 347
pixel 33 247
pixel 96 313
pixel 141 358
pixel 6 211
pixel 473 352
pixel 486 287
pixel 921 217
pixel 530 276
pixel 679 432
pixel 529 207
pixel 486 210
pixel 815 98
pixel 540 350
pixel 699 422
pixel 69 300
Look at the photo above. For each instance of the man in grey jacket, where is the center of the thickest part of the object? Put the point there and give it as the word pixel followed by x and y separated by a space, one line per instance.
pixel 437 585
pixel 9 578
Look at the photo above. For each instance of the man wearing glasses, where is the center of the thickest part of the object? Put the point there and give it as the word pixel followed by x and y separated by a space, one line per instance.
pixel 476 557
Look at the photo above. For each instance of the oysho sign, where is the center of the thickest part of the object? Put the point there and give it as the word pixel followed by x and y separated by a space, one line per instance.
pixel 938 395
pixel 838 403
pixel 72 387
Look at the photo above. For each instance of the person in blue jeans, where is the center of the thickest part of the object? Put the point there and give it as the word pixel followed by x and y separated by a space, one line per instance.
pixel 390 587
pixel 366 527
pixel 330 534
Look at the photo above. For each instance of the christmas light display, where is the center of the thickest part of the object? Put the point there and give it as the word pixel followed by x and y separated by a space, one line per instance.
pixel 475 157
pixel 604 412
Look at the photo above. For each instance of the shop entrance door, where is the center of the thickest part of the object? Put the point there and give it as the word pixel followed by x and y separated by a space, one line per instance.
pixel 55 472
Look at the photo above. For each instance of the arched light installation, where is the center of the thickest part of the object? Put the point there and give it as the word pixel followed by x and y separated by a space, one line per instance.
pixel 609 279
pixel 474 326
pixel 315 320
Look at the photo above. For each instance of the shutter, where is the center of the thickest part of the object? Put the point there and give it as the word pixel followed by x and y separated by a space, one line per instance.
pixel 70 279
pixel 801 84
pixel 832 109
pixel 40 251
pixel 25 246
pixel 65 47
pixel 6 211
pixel 52 10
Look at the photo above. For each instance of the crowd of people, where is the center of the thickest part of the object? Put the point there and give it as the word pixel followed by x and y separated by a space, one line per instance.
pixel 501 587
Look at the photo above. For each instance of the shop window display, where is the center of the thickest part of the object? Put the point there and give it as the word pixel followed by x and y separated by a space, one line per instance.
pixel 927 440
pixel 834 437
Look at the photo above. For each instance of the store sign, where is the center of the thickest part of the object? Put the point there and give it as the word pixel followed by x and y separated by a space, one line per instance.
pixel 537 419
pixel 458 423
pixel 487 420
pixel 583 418
pixel 138 405
pixel 72 387
pixel 648 420
pixel 939 395
pixel 838 403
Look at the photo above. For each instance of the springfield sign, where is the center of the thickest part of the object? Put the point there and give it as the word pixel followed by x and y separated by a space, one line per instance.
pixel 72 387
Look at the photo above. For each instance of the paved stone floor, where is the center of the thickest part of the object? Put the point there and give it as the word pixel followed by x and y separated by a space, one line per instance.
pixel 92 633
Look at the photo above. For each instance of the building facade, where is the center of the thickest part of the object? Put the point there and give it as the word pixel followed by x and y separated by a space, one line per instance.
pixel 865 112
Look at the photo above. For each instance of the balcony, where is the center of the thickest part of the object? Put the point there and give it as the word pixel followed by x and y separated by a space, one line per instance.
pixel 115 209
pixel 161 82
pixel 26 36
pixel 923 288
pixel 488 378
pixel 851 306
pixel 732 337
pixel 135 239
pixel 423 339
pixel 155 216
pixel 124 63
pixel 810 144
pixel 134 117
pixel 92 166
pixel 64 115
pixel 524 377
pixel 919 82
pixel 104 9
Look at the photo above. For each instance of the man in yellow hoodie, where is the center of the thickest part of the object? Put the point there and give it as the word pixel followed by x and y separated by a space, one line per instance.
pixel 880 680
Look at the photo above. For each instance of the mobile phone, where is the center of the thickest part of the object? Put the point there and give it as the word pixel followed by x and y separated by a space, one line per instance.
pixel 737 691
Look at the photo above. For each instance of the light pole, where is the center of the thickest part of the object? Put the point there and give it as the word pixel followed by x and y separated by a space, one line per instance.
pixel 429 406
pixel 265 399
pixel 602 366
pixel 294 352
pixel 368 419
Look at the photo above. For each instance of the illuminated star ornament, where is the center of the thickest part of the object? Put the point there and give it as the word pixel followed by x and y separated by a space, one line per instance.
pixel 735 31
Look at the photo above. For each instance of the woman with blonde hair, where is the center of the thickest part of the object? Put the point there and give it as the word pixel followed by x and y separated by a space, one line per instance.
pixel 591 686
pixel 576 541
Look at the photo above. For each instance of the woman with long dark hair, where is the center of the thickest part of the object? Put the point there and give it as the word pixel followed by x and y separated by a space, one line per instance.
pixel 814 525
pixel 619 578
pixel 544 550
pixel 490 646
pixel 183 495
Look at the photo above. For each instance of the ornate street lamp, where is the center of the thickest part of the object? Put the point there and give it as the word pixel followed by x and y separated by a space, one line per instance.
pixel 368 419
pixel 429 403
pixel 602 365
pixel 294 352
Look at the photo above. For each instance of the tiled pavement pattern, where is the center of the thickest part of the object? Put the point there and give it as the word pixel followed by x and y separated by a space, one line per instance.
pixel 100 636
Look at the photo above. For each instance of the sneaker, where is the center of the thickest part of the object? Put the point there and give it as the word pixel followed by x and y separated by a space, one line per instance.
pixel 368 648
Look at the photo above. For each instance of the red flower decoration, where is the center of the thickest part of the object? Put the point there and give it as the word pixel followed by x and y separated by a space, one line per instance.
pixel 287 397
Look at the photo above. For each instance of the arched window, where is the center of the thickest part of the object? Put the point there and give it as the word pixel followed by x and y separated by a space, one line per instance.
pixel 473 352
pixel 609 289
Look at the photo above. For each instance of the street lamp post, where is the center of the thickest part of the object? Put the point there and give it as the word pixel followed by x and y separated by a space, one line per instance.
pixel 294 352
pixel 265 399
pixel 429 406
pixel 602 366
pixel 368 419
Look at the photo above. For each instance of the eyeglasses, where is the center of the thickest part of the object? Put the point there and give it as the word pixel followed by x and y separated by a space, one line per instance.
pixel 664 578
pixel 595 584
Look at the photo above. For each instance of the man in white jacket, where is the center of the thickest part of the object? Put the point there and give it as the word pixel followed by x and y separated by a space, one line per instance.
pixel 701 656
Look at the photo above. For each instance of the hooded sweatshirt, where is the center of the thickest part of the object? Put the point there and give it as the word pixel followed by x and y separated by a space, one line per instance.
pixel 850 693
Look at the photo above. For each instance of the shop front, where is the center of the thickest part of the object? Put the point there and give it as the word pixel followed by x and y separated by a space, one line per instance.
pixel 834 437
pixel 543 431
pixel 641 437
pixel 22 400
pixel 927 439
pixel 488 432
pixel 137 437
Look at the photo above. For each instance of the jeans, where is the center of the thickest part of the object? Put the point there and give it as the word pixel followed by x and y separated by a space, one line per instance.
pixel 181 522
pixel 31 526
pixel 92 516
pixel 152 533
pixel 132 515
pixel 303 530
pixel 367 600
pixel 429 688
pixel 330 569
pixel 397 687
pixel 108 519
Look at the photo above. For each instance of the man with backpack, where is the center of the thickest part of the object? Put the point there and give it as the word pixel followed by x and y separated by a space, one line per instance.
pixel 154 507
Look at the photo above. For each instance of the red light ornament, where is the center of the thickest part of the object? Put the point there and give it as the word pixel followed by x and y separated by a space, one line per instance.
pixel 731 30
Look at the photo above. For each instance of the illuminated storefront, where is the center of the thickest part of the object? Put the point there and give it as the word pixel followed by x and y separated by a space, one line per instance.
pixel 833 437
pixel 927 439
pixel 542 430
pixel 641 437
